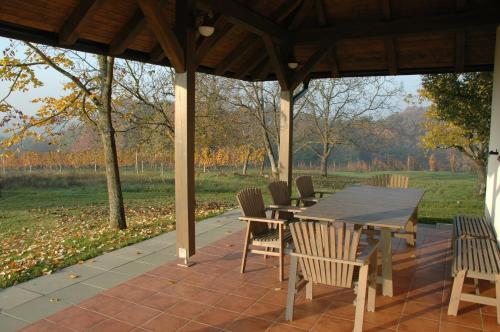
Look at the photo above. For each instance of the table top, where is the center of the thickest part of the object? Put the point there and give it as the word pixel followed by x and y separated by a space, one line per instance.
pixel 367 205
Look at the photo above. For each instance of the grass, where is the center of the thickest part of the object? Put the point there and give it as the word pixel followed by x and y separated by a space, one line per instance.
pixel 52 220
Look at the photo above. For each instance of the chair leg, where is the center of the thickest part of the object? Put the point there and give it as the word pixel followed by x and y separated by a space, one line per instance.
pixel 309 290
pixel 282 253
pixel 292 280
pixel 360 299
pixel 497 299
pixel 456 291
pixel 245 248
pixel 265 256
pixel 372 286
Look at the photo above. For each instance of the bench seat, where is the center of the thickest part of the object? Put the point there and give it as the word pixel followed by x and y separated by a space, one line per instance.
pixel 477 258
pixel 472 227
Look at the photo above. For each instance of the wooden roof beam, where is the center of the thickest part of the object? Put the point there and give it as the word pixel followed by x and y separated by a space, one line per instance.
pixel 321 13
pixel 127 33
pixel 277 63
pixel 69 32
pixel 460 43
pixel 251 64
pixel 222 27
pixel 334 64
pixel 302 73
pixel 241 15
pixel 389 42
pixel 165 36
pixel 252 41
pixel 482 17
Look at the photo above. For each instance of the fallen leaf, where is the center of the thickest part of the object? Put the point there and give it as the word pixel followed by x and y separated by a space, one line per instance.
pixel 278 289
pixel 74 276
pixel 54 299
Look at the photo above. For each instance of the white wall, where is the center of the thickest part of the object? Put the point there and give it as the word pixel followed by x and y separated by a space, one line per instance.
pixel 493 181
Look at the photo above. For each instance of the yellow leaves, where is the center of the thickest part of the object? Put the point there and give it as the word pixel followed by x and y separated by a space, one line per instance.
pixel 77 234
pixel 439 133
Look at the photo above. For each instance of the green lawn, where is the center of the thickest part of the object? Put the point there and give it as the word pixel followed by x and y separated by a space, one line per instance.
pixel 51 220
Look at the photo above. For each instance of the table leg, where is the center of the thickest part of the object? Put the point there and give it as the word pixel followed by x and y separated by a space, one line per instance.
pixel 386 250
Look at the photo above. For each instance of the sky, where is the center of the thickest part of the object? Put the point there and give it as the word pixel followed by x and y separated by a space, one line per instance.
pixel 53 87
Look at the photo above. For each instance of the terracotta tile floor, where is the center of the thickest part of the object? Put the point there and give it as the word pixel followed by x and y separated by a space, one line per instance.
pixel 212 296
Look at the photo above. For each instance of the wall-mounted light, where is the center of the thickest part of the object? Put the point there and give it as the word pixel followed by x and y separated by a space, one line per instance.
pixel 206 27
pixel 293 64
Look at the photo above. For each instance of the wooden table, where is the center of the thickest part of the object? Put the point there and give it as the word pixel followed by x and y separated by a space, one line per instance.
pixel 386 208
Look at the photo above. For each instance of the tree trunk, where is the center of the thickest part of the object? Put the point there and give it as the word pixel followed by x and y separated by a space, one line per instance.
pixel 270 154
pixel 136 163
pixel 324 166
pixel 245 162
pixel 107 132
pixel 481 177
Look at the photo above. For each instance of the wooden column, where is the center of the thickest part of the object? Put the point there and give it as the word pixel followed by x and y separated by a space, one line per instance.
pixel 493 177
pixel 286 136
pixel 184 163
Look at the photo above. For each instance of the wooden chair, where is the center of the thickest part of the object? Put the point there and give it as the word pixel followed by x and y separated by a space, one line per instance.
pixel 328 254
pixel 307 194
pixel 399 181
pixel 280 194
pixel 390 181
pixel 262 231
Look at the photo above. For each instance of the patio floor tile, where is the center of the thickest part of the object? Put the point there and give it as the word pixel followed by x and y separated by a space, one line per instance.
pixel 213 296
pixel 14 296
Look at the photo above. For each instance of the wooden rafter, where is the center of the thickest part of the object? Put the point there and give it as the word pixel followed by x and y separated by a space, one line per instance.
pixel 165 36
pixel 389 41
pixel 306 68
pixel 277 63
pixel 320 12
pixel 262 69
pixel 305 8
pixel 127 33
pixel 460 43
pixel 157 54
pixel 222 27
pixel 251 64
pixel 483 17
pixel 241 15
pixel 252 41
pixel 68 34
pixel 334 64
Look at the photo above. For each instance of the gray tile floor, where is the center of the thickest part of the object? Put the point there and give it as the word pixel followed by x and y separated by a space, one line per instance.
pixel 30 301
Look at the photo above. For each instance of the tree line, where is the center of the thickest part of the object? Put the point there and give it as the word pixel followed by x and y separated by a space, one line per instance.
pixel 117 107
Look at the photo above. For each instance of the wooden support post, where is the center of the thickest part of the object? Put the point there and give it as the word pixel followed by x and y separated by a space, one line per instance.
pixel 184 163
pixel 286 137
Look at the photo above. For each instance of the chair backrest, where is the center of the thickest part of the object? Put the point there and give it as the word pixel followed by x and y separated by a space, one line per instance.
pixel 280 192
pixel 326 241
pixel 390 181
pixel 252 205
pixel 305 186
pixel 281 196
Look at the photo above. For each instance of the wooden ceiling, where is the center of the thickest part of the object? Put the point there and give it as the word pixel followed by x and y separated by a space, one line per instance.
pixel 254 40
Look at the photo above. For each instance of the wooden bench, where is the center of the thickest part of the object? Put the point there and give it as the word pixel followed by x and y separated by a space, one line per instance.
pixel 477 258
pixel 466 227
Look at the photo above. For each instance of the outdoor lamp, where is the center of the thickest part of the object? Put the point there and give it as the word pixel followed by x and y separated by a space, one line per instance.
pixel 206 28
pixel 293 64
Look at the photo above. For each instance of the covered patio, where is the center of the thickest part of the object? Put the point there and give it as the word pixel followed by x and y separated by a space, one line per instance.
pixel 212 295
pixel 291 41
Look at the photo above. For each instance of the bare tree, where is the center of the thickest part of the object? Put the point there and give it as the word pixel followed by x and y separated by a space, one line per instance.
pixel 335 106
pixel 261 101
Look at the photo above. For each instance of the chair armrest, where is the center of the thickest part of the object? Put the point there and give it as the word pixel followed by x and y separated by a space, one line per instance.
pixel 285 208
pixel 264 220
pixel 309 199
pixel 367 253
